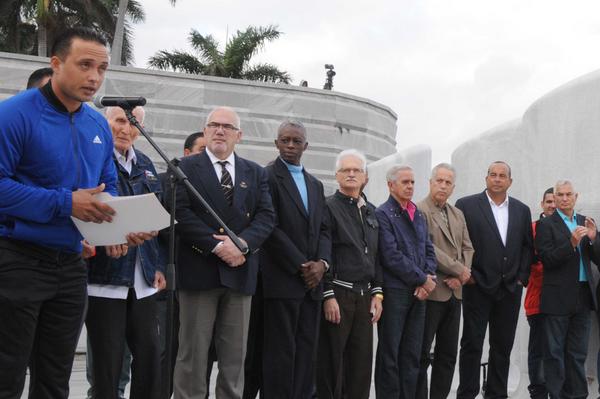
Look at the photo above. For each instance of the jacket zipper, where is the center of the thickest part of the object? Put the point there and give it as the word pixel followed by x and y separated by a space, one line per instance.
pixel 76 151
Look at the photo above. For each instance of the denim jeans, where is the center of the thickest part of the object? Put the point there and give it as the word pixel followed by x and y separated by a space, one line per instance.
pixel 400 332
pixel 564 364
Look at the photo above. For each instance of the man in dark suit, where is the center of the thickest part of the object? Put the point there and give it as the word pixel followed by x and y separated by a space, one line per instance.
pixel 293 262
pixel 215 279
pixel 500 230
pixel 566 243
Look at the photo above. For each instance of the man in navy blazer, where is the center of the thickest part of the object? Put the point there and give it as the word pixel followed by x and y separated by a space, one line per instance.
pixel 567 242
pixel 408 262
pixel 293 261
pixel 215 279
pixel 500 231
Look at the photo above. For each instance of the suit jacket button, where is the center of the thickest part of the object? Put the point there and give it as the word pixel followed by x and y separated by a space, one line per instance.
pixel 247 214
pixel 505 258
pixel 221 230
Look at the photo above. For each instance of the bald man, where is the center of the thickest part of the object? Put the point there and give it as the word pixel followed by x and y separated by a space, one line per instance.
pixel 122 304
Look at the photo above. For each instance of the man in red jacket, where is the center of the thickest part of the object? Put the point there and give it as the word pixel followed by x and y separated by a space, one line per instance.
pixel 535 356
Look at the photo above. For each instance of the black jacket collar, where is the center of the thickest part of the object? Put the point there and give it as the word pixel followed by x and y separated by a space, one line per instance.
pixel 53 100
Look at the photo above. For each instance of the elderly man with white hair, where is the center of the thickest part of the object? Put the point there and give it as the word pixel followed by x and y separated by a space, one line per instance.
pixel 567 242
pixel 122 305
pixel 352 294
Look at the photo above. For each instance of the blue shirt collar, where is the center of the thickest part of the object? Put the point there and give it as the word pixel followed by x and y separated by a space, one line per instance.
pixel 292 168
pixel 565 217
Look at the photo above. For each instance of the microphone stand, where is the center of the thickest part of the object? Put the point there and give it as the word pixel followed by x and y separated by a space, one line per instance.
pixel 177 176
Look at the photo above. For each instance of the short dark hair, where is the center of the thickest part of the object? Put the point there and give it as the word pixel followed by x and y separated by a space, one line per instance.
pixel 62 43
pixel 548 191
pixel 191 139
pixel 37 76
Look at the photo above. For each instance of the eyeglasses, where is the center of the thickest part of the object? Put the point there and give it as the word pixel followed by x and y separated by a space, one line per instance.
pixel 351 170
pixel 226 126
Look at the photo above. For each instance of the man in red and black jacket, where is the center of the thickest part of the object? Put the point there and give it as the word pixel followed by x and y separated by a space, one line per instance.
pixel 535 356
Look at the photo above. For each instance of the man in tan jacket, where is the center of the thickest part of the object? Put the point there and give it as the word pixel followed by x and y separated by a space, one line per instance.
pixel 453 252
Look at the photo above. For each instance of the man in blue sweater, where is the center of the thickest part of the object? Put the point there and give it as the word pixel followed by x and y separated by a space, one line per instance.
pixel 56 154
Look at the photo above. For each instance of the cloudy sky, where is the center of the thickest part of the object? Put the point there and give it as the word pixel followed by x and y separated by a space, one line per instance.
pixel 449 69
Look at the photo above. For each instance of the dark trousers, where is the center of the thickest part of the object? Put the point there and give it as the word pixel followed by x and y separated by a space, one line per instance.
pixel 400 332
pixel 567 339
pixel 535 357
pixel 254 359
pixel 42 300
pixel 112 322
pixel 346 349
pixel 501 311
pixel 442 322
pixel 125 370
pixel 161 302
pixel 291 328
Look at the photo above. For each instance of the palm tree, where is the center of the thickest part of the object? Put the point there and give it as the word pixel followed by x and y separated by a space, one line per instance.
pixel 17 31
pixel 234 62
pixel 27 25
pixel 120 35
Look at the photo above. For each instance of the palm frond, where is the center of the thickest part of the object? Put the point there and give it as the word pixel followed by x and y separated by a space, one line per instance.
pixel 243 45
pixel 176 61
pixel 266 73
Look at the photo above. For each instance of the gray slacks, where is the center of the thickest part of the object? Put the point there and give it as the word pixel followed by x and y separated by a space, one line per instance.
pixel 221 312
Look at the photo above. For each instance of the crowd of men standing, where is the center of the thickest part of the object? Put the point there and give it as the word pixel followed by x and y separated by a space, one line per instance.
pixel 292 314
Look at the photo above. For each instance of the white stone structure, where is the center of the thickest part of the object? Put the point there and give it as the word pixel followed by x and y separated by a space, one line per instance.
pixel 557 138
pixel 417 157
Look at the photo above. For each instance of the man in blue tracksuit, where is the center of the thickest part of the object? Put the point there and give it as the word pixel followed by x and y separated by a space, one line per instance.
pixel 56 152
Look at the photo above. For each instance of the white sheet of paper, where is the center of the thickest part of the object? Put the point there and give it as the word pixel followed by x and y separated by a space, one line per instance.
pixel 134 214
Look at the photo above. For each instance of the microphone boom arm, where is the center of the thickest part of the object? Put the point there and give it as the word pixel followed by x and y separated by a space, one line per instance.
pixel 180 176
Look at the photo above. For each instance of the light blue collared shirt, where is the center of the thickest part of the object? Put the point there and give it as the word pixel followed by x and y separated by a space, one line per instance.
pixel 572 225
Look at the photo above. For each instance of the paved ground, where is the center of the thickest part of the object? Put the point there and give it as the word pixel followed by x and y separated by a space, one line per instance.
pixel 79 385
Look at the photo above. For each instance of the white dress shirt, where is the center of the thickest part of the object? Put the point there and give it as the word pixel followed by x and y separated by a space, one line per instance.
pixel 218 169
pixel 500 215
pixel 142 289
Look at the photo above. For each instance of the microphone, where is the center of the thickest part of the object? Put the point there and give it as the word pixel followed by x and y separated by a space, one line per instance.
pixel 123 102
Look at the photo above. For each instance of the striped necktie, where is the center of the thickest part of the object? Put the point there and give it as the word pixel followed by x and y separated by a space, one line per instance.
pixel 226 182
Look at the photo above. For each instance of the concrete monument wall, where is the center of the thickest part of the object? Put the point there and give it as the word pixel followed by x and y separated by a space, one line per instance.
pixel 556 138
pixel 178 105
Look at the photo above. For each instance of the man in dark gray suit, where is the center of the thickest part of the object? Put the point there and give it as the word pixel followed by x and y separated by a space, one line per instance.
pixel 567 242
pixel 216 280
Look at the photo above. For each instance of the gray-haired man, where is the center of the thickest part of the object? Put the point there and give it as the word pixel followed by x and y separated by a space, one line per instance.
pixel 453 253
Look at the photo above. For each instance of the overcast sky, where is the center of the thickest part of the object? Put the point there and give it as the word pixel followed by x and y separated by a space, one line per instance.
pixel 449 69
